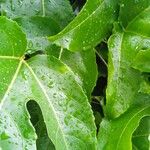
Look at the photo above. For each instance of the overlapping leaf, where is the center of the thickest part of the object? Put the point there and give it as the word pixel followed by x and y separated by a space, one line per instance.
pixel 29 8
pixel 127 103
pixel 142 61
pixel 116 134
pixel 140 137
pixel 51 84
pixel 131 9
pixel 38 28
pixel 38 19
pixel 84 70
pixel 90 27
pixel 123 80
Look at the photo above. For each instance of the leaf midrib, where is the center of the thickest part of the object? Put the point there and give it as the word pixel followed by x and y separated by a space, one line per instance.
pixel 126 29
pixel 46 95
pixel 22 61
pixel 12 81
pixel 73 28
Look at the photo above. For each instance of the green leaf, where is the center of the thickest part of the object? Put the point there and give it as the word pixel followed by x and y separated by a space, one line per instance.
pixel 51 84
pixel 29 8
pixel 37 29
pixel 90 27
pixel 83 64
pixel 39 19
pixel 140 137
pixel 142 61
pixel 116 134
pixel 131 9
pixel 145 86
pixel 40 127
pixel 123 80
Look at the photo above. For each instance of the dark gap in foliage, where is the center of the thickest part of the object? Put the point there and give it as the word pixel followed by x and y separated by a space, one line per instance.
pixel 100 87
pixel 40 127
pixel 38 52
pixel 77 5
pixel 98 111
pixel 99 92
pixel 102 48
pixel 102 61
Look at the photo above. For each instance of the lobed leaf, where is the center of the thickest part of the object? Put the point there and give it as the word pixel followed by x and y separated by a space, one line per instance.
pixel 38 28
pixel 51 84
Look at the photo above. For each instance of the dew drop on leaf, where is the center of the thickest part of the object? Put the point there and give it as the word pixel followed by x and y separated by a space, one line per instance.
pixel 4 136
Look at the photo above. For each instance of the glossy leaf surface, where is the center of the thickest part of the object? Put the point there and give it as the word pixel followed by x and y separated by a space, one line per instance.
pixel 131 9
pixel 140 137
pixel 90 27
pixel 39 19
pixel 116 134
pixel 123 80
pixel 51 84
pixel 37 29
pixel 142 61
pixel 29 8
pixel 84 70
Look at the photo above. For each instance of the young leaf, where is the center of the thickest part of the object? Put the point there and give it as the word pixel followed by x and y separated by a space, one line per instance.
pixel 51 84
pixel 123 80
pixel 116 134
pixel 90 27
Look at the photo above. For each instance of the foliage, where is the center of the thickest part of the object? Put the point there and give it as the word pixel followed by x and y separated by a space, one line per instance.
pixel 74 76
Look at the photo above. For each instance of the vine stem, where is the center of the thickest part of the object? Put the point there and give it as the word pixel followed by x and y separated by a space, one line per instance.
pixel 101 58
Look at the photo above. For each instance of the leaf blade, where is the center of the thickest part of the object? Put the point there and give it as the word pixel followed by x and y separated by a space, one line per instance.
pixel 80 29
pixel 123 80
pixel 122 128
pixel 43 79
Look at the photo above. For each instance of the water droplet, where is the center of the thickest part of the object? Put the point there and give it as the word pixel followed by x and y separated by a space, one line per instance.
pixel 31 1
pixel 20 2
pixel 54 95
pixel 122 5
pixel 30 44
pixel 12 7
pixel 38 44
pixel 24 76
pixel 43 78
pixel 4 136
pixel 50 84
